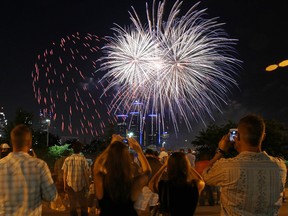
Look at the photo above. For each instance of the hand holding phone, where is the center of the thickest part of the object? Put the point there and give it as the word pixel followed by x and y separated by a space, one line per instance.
pixel 125 141
pixel 232 134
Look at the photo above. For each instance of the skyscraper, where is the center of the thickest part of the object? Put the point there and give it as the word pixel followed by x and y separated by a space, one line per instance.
pixel 3 122
pixel 44 120
pixel 146 129
pixel 122 125
pixel 152 129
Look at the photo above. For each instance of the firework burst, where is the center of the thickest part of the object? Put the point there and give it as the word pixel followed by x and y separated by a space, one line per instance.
pixel 182 68
pixel 65 85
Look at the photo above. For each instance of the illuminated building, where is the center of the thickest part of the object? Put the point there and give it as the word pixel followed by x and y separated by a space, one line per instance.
pixel 3 122
pixel 152 129
pixel 145 129
pixel 44 120
pixel 122 125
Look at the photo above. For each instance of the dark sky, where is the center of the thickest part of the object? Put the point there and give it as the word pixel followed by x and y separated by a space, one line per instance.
pixel 28 27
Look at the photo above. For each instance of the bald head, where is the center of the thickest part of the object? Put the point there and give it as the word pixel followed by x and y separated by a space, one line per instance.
pixel 21 138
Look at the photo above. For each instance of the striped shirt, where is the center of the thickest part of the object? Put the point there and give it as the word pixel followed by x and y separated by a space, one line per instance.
pixel 24 182
pixel 252 184
pixel 76 168
pixel 146 199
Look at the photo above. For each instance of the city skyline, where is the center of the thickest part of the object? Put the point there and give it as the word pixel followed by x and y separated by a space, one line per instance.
pixel 30 27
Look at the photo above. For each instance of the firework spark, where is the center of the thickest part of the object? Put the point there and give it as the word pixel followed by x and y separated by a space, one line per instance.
pixel 65 85
pixel 182 68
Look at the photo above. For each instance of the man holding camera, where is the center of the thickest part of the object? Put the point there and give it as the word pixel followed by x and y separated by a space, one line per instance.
pixel 252 183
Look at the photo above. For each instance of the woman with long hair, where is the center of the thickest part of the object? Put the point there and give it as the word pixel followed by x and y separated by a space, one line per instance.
pixel 116 187
pixel 180 193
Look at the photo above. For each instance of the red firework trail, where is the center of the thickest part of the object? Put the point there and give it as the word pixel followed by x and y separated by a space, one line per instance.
pixel 66 86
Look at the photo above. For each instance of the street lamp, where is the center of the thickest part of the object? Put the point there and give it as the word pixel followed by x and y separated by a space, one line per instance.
pixel 48 125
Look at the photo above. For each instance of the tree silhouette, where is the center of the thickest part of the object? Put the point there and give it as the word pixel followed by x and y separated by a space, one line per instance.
pixel 275 142
pixel 21 117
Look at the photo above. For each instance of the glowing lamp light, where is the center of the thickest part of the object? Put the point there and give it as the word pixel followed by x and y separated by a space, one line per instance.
pixel 283 63
pixel 271 67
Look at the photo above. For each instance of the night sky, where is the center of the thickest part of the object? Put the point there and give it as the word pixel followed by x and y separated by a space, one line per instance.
pixel 28 27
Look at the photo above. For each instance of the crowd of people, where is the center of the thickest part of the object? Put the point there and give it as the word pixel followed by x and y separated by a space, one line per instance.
pixel 125 180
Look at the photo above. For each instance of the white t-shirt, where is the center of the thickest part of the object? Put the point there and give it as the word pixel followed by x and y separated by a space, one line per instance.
pixel 163 156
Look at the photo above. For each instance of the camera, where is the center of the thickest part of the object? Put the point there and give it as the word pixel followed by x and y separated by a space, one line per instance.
pixel 233 133
pixel 125 141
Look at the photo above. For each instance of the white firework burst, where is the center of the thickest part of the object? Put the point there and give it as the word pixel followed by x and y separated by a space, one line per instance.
pixel 183 67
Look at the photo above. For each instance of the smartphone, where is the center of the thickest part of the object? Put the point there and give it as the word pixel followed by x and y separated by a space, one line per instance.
pixel 233 133
pixel 30 152
pixel 125 141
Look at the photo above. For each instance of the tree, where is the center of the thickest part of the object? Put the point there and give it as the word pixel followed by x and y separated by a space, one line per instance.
pixel 40 139
pixel 21 117
pixel 276 139
pixel 207 140
pixel 57 151
pixel 96 146
pixel 100 143
pixel 275 142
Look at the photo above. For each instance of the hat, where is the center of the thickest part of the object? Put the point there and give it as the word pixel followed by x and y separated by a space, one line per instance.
pixel 5 145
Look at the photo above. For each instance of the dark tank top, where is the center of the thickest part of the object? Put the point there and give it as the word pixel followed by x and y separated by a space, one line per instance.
pixel 110 208
pixel 182 199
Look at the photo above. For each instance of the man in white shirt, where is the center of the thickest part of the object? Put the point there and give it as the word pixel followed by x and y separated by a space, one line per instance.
pixel 252 183
pixel 163 156
pixel 191 157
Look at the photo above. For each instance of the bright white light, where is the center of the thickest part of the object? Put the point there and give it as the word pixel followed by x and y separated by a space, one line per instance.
pixel 130 134
pixel 182 68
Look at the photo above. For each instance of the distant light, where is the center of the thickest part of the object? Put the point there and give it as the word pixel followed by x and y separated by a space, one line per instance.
pixel 283 63
pixel 130 134
pixel 122 115
pixel 134 113
pixel 152 115
pixel 271 67
pixel 137 103
pixel 47 120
